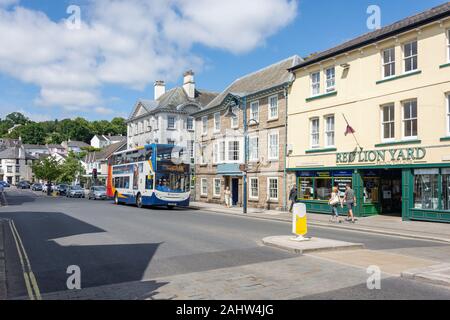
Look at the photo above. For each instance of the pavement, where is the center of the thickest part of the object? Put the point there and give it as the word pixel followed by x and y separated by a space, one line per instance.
pixel 387 225
pixel 2 263
pixel 128 253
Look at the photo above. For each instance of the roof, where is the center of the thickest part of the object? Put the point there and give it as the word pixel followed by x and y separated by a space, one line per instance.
pixel 15 153
pixel 173 101
pixel 77 144
pixel 110 138
pixel 57 146
pixel 407 24
pixel 35 146
pixel 105 153
pixel 263 79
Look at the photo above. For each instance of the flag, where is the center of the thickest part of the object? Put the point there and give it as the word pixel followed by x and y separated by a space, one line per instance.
pixel 349 130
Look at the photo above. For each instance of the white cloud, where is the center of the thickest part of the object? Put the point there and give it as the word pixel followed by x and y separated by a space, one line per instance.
pixel 127 42
pixel 7 3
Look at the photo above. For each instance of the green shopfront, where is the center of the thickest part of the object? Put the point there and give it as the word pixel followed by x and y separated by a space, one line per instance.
pixel 396 182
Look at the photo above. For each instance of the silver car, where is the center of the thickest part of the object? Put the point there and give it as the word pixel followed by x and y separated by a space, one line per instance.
pixel 97 193
pixel 75 192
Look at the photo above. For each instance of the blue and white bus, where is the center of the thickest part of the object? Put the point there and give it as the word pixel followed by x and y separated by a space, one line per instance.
pixel 154 175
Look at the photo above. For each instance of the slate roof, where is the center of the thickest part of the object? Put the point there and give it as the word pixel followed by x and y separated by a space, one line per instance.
pixel 172 100
pixel 269 77
pixel 14 153
pixel 105 153
pixel 35 146
pixel 407 24
pixel 77 144
pixel 57 146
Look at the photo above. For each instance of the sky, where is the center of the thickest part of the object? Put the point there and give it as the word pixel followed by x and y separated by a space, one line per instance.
pixel 96 58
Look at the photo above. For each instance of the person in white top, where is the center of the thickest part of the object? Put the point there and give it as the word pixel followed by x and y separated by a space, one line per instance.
pixel 334 202
pixel 228 197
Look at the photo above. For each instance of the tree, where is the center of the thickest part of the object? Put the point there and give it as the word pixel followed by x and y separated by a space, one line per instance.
pixel 17 118
pixel 71 169
pixel 47 169
pixel 32 133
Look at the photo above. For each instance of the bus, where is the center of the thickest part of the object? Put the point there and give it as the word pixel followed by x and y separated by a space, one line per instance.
pixel 155 175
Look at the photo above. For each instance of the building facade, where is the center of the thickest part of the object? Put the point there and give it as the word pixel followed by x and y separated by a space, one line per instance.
pixel 220 143
pixel 166 119
pixel 102 141
pixel 391 88
pixel 16 165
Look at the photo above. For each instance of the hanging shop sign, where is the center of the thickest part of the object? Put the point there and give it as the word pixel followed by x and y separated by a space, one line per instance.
pixel 391 156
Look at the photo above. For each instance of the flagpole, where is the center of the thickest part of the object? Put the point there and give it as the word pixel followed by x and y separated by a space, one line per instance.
pixel 353 133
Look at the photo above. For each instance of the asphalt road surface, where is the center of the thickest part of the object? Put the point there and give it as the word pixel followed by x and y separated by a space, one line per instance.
pixel 123 244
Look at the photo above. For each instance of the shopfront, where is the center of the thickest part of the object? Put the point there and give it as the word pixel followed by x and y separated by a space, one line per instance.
pixel 397 182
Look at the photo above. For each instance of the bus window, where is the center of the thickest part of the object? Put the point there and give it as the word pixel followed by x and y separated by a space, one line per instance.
pixel 149 183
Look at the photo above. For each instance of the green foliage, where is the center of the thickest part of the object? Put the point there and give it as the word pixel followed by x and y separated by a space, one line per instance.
pixel 71 169
pixel 57 131
pixel 48 169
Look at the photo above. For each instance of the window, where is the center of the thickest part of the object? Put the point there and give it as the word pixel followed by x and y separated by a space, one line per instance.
pixel 330 74
pixel 388 122
pixel 446 189
pixel 235 121
pixel 448 114
pixel 323 185
pixel 305 188
pixel 410 119
pixel 254 111
pixel 254 188
pixel 146 125
pixel 190 124
pixel 203 155
pixel 216 153
pixel 204 187
pixel 233 151
pixel 273 188
pixel 448 44
pixel 273 107
pixel 426 189
pixel 315 83
pixel 329 131
pixel 9 169
pixel 222 151
pixel 389 62
pixel 122 182
pixel 171 142
pixel 217 122
pixel 191 149
pixel 315 132
pixel 17 169
pixel 254 148
pixel 274 145
pixel 171 122
pixel 410 52
pixel 204 125
pixel 217 187
pixel 156 123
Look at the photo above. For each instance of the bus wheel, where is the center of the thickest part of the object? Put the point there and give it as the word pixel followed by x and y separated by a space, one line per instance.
pixel 139 201
pixel 116 198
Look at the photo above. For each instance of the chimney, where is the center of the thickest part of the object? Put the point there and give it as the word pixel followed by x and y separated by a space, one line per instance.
pixel 189 84
pixel 160 89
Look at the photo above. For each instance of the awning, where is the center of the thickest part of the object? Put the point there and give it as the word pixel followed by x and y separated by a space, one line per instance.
pixel 229 169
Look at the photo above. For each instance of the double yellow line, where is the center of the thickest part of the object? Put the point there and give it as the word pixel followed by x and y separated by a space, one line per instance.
pixel 28 275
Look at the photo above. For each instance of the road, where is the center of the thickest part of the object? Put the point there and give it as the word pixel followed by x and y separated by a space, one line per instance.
pixel 125 253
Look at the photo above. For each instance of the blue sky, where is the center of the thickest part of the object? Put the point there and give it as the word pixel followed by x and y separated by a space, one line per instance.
pixel 315 26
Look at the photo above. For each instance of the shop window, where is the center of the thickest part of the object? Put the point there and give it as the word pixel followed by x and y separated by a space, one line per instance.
pixel 341 184
pixel 323 188
pixel 446 189
pixel 371 189
pixel 306 189
pixel 426 192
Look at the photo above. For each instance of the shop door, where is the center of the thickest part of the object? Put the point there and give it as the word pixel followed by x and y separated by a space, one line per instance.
pixel 235 191
pixel 391 193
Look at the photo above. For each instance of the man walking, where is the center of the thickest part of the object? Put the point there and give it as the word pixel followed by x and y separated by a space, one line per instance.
pixel 293 197
pixel 350 201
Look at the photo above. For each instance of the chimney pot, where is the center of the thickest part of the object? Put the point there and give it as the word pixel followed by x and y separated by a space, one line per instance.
pixel 160 89
pixel 189 84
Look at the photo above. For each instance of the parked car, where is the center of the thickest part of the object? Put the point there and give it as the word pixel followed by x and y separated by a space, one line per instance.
pixel 62 189
pixel 75 192
pixel 37 187
pixel 23 185
pixel 97 193
pixel 45 187
pixel 5 184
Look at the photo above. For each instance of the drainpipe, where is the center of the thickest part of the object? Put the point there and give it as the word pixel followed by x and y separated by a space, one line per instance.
pixel 245 154
pixel 285 149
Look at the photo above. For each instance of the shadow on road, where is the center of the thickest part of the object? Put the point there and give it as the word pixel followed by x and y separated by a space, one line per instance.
pixel 101 260
pixel 11 197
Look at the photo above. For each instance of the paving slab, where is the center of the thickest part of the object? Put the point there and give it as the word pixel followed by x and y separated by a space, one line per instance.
pixel 313 245
pixel 437 274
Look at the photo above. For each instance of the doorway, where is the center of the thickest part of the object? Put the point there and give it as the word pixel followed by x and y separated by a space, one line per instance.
pixel 235 191
pixel 391 192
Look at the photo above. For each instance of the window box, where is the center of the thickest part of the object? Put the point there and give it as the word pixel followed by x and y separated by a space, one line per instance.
pixel 321 96
pixel 397 143
pixel 321 150
pixel 442 66
pixel 400 76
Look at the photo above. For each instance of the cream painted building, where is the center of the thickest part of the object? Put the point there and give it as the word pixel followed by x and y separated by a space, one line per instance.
pixel 393 87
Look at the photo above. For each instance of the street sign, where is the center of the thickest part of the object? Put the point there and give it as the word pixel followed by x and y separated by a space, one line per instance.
pixel 300 222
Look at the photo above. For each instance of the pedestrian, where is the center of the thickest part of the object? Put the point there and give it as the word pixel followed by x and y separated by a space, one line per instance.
pixel 293 197
pixel 2 189
pixel 350 201
pixel 334 202
pixel 228 197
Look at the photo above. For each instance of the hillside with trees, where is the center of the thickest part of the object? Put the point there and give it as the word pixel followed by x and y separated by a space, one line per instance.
pixel 57 131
